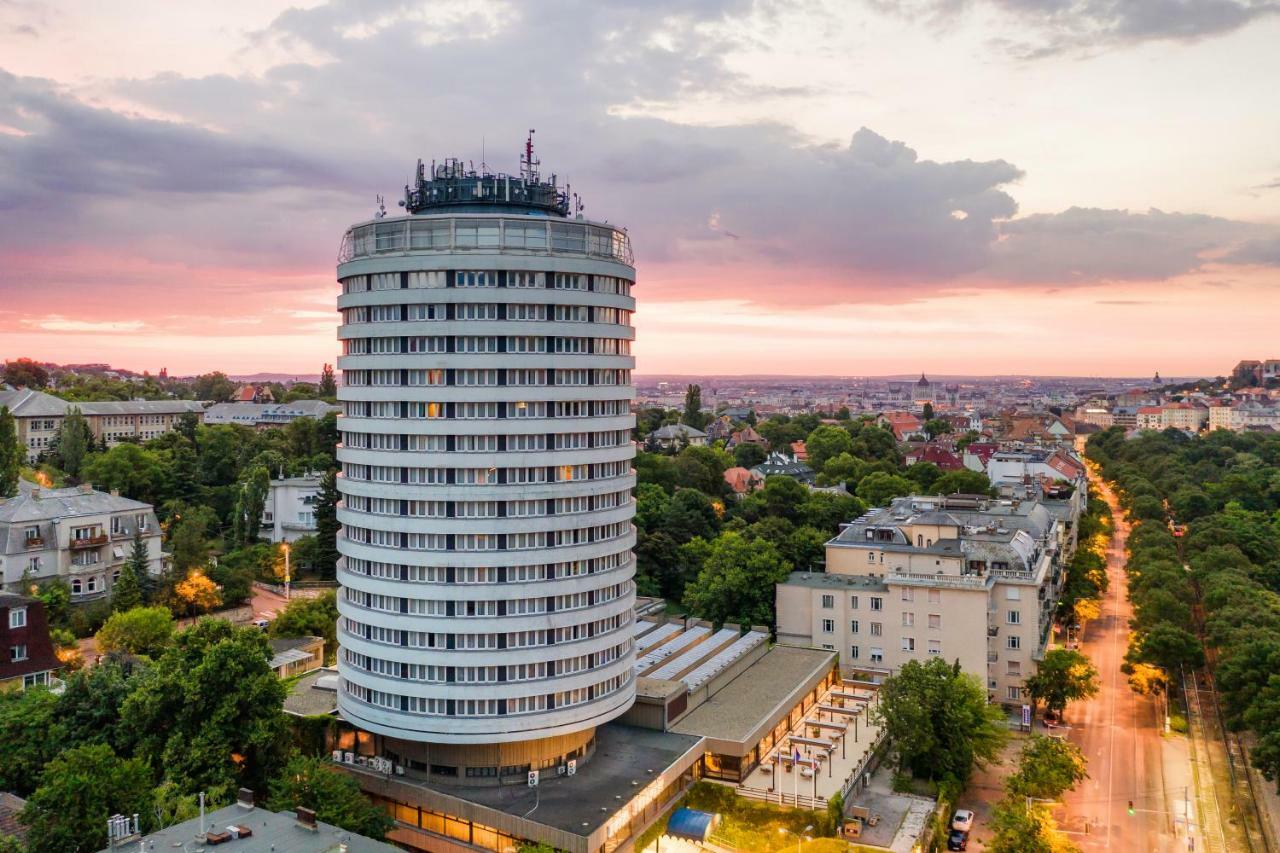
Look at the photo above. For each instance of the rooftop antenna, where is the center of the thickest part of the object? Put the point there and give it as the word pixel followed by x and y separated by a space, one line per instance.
pixel 382 209
pixel 528 165
pixel 484 167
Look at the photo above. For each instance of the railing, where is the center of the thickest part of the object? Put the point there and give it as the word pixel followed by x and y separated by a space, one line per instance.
pixel 34 542
pixel 89 541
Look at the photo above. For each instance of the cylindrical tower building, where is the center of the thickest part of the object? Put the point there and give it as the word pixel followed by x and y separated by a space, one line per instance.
pixel 486 564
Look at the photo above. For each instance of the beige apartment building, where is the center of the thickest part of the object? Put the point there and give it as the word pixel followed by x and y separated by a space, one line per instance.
pixel 963 577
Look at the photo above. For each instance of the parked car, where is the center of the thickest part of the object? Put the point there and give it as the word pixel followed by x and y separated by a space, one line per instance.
pixel 958 840
pixel 962 820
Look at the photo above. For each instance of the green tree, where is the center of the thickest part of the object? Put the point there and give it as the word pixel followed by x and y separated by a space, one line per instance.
pixel 749 455
pixel 935 427
pixel 938 720
pixel 215 387
pixel 187 541
pixel 878 488
pixel 736 583
pixel 326 510
pixel 25 373
pixel 78 791
pixel 55 594
pixel 693 414
pixel 88 711
pixel 334 796
pixel 1019 828
pixel 140 631
pixel 961 482
pixel 28 719
pixel 254 488
pixel 310 617
pixel 689 514
pixel 134 471
pixel 126 592
pixel 1065 675
pixel 927 412
pixel 328 382
pixel 72 442
pixel 11 454
pixel 207 711
pixel 827 442
pixel 1047 768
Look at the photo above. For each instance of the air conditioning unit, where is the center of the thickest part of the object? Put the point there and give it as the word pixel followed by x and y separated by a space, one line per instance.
pixel 561 770
pixel 533 778
pixel 572 766
pixel 337 756
pixel 399 770
pixel 348 758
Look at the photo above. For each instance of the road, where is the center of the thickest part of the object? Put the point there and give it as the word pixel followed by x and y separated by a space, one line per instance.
pixel 1120 734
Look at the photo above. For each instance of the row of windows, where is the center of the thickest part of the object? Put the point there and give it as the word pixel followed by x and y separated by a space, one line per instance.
pixel 398 312
pixel 487 541
pixel 489 574
pixel 487 443
pixel 420 377
pixel 876 602
pixel 492 476
pixel 525 279
pixel 485 641
pixel 485 707
pixel 486 608
pixel 435 674
pixel 418 410
pixel 487 509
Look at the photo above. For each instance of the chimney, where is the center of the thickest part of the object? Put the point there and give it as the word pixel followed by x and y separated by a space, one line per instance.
pixel 115 493
pixel 35 494
pixel 86 488
pixel 306 817
pixel 244 798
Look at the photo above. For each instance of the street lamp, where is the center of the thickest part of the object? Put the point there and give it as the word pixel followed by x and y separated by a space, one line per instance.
pixel 800 837
pixel 285 545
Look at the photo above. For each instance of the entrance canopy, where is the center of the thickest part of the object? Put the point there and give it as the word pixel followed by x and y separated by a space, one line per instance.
pixel 691 824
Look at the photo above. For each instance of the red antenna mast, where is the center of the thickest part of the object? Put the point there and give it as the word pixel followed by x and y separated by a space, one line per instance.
pixel 529 166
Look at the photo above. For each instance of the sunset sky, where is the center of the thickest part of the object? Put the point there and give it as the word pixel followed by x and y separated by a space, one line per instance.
pixel 858 187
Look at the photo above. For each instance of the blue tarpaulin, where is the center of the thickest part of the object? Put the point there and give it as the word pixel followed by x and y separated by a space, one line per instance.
pixel 691 824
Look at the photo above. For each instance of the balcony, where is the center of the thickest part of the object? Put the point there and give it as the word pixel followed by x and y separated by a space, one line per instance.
pixel 89 541
pixel 33 542
pixel 993 630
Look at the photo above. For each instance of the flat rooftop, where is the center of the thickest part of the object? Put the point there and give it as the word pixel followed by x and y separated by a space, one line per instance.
pixel 738 709
pixel 315 694
pixel 626 759
pixel 278 831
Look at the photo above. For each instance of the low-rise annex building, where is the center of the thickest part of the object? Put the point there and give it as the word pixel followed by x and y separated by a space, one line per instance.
pixel 290 510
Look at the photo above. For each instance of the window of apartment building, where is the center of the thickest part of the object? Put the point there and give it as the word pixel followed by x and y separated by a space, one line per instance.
pixel 32 533
pixel 853 626
pixel 877 603
pixel 1013 642
pixel 18 617
pixel 876 629
pixel 853 653
pixel 115 525
pixel 935 596
pixel 991 684
pixel 1013 617
pixel 33 565
pixel 908 644
pixel 935 647
pixel 828 626
pixel 908 620
pixel 853 602
pixel 1014 693
pixel 1013 593
pixel 829 647
pixel 908 594
pixel 877 655
pixel 17 653
pixel 1014 668
pixel 35 679
pixel 935 621
pixel 828 602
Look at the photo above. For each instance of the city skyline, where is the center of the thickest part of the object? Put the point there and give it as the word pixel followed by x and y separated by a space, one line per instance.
pixel 817 190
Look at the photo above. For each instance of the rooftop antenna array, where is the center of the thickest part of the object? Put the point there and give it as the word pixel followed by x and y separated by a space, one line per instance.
pixel 528 165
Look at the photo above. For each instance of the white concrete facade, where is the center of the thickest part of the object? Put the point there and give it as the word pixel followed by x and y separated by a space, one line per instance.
pixel 485 454
pixel 290 511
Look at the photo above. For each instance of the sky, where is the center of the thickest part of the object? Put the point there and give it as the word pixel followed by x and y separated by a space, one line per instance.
pixel 853 187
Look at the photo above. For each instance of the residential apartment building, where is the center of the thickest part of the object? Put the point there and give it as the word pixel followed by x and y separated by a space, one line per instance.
pixel 27 656
pixel 1189 417
pixel 77 534
pixel 290 510
pixel 39 416
pixel 962 577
